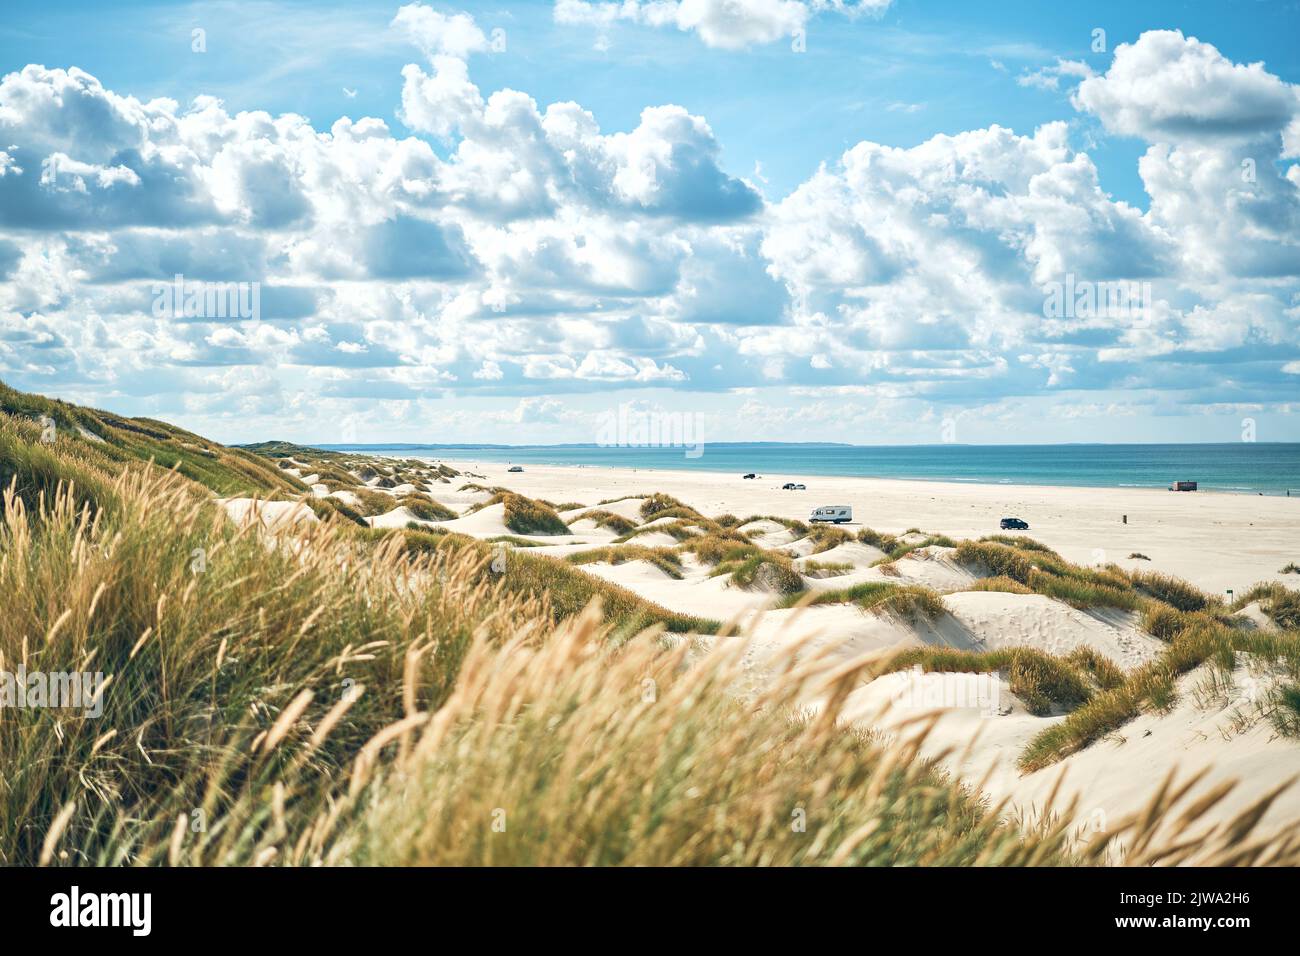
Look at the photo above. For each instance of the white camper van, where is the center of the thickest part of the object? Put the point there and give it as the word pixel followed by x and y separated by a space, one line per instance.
pixel 838 514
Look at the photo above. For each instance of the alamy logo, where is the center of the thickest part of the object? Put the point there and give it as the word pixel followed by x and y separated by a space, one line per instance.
pixel 63 690
pixel 952 691
pixel 633 428
pixel 207 300
pixel 1081 299
pixel 75 908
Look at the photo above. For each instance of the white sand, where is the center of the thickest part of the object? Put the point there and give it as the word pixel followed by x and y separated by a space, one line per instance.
pixel 1216 541
pixel 1115 776
pixel 994 620
pixel 271 514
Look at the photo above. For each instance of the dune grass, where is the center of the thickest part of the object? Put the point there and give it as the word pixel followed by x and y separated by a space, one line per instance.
pixel 371 502
pixel 1202 638
pixel 899 549
pixel 715 547
pixel 911 601
pixel 524 515
pixel 1280 604
pixel 665 559
pixel 608 519
pixel 824 569
pixel 113 439
pixel 116 442
pixel 668 763
pixel 680 530
pixel 280 705
pixel 277 699
pixel 514 541
pixel 865 594
pixel 653 506
pixel 1196 627
pixel 996 559
pixel 1023 544
pixel 1173 591
pixel 1000 583
pixel 793 525
pixel 425 508
pixel 560 589
pixel 763 571
pixel 325 508
pixel 1043 683
pixel 885 542
pixel 1044 572
pixel 1285 711
pixel 825 536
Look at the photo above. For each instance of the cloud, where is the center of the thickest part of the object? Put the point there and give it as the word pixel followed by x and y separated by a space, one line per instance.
pixel 514 161
pixel 726 24
pixel 1169 88
pixel 490 245
pixel 1217 130
pixel 1050 77
pixel 439 34
pixel 408 247
pixel 10 255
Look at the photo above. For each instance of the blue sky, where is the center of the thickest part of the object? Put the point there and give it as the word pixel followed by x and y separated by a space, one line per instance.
pixel 854 237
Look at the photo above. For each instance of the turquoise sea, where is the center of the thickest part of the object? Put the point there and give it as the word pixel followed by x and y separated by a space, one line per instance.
pixel 1242 467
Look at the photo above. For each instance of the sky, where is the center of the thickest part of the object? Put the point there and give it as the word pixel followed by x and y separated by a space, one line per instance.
pixel 874 222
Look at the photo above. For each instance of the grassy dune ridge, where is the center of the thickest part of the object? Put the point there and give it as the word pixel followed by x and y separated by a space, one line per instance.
pixel 109 442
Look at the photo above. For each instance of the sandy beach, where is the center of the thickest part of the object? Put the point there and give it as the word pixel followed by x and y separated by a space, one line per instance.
pixel 1216 722
pixel 1216 541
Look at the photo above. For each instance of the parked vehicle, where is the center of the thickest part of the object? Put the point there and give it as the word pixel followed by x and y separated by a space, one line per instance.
pixel 750 475
pixel 514 468
pixel 800 487
pixel 791 486
pixel 835 514
pixel 1014 524
pixel 1183 486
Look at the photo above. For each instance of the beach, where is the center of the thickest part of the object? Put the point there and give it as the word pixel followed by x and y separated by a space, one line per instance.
pixel 1216 720
pixel 1216 541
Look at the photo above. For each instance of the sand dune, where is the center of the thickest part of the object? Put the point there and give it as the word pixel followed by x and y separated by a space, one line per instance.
pixel 851 552
pixel 1115 776
pixel 994 620
pixel 1211 540
pixel 1215 541
pixel 272 514
pixel 696 593
pixel 629 508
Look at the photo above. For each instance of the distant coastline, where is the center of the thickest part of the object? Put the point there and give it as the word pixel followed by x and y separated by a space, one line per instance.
pixel 1270 468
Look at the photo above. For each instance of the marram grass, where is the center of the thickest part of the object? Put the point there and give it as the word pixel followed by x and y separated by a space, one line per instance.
pixel 324 700
pixel 337 695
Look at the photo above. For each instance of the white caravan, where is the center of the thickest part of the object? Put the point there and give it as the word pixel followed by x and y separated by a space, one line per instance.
pixel 838 514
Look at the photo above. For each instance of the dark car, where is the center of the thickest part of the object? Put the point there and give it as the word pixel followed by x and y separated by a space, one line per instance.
pixel 789 486
pixel 514 468
pixel 1014 524
pixel 750 475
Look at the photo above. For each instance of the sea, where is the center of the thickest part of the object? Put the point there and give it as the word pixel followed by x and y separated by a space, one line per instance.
pixel 1268 468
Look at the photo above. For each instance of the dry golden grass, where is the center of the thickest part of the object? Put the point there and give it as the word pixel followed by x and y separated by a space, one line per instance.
pixel 339 695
